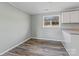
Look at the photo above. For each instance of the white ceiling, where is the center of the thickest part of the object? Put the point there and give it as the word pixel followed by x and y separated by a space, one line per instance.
pixel 44 7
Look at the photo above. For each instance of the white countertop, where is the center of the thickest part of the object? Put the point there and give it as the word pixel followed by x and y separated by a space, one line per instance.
pixel 72 31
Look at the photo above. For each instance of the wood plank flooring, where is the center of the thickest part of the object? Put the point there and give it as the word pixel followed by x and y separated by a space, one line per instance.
pixel 37 47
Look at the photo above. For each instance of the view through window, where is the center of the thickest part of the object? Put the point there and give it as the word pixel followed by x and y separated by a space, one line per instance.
pixel 51 21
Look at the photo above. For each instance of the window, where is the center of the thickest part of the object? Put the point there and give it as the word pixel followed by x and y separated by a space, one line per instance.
pixel 51 21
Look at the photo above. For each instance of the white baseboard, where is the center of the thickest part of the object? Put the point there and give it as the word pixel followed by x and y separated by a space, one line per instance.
pixel 45 39
pixel 14 46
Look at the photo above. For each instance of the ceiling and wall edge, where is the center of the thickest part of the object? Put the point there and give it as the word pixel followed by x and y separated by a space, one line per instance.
pixel 17 8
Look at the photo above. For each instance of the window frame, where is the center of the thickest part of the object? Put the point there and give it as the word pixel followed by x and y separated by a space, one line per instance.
pixel 51 25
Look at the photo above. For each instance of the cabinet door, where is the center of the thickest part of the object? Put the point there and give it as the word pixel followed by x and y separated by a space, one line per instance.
pixel 75 45
pixel 67 37
pixel 67 42
pixel 66 17
pixel 75 17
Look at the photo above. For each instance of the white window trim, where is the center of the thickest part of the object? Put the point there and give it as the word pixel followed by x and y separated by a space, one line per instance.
pixel 56 26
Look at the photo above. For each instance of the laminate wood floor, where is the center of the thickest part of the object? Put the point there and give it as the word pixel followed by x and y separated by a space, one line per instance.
pixel 37 47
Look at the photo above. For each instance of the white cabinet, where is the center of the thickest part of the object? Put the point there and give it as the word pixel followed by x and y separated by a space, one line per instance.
pixel 67 42
pixel 67 37
pixel 71 43
pixel 74 17
pixel 70 17
pixel 66 17
pixel 75 44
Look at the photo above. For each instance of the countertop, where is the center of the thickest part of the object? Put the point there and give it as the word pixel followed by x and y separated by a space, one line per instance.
pixel 72 31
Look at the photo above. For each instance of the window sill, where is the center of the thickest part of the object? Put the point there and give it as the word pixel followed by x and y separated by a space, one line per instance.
pixel 56 26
